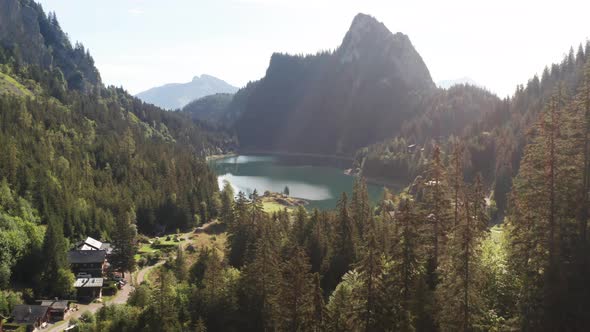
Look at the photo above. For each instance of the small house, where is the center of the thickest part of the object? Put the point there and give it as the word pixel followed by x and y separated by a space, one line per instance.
pixel 90 263
pixel 89 288
pixel 30 316
pixel 57 308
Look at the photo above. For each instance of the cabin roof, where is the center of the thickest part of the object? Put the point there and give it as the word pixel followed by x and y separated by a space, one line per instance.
pixel 86 256
pixel 88 282
pixel 93 243
pixel 55 304
pixel 28 314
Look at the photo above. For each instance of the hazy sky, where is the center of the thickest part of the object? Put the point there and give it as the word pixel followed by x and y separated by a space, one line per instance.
pixel 144 43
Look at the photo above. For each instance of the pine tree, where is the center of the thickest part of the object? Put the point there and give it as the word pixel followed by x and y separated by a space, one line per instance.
pixel 124 243
pixel 256 207
pixel 162 313
pixel 542 216
pixel 436 205
pixel 200 326
pixel 212 278
pixel 456 178
pixel 180 268
pixel 370 269
pixel 240 232
pixel 582 259
pixel 261 281
pixel 407 253
pixel 319 315
pixel 227 199
pixel 318 243
pixel 344 246
pixel 296 294
pixel 56 262
pixel 360 208
pixel 346 304
pixel 298 232
pixel 459 291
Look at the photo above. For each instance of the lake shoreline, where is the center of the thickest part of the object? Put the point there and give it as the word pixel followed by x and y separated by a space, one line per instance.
pixel 294 154
pixel 214 157
pixel 283 200
pixel 314 180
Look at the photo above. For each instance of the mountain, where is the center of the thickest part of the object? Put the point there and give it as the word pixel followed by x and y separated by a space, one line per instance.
pixel 335 102
pixel 210 108
pixel 445 84
pixel 177 95
pixel 221 109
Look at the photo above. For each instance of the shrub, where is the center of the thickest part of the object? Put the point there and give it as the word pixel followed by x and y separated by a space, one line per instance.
pixel 143 239
pixel 110 290
pixel 142 261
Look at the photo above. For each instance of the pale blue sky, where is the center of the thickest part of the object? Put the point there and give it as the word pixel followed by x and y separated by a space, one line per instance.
pixel 143 43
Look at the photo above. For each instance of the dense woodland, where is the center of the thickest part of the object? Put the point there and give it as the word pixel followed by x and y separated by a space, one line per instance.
pixel 80 159
pixel 424 262
pixel 494 142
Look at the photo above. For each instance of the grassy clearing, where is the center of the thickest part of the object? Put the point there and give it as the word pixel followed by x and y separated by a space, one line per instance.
pixel 10 85
pixel 213 237
pixel 270 207
pixel 211 241
pixel 161 245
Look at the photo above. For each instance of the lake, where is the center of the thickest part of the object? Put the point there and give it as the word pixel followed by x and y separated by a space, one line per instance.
pixel 317 180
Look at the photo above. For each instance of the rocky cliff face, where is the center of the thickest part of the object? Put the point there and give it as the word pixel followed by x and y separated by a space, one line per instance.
pixel 369 43
pixel 339 101
pixel 36 39
pixel 19 21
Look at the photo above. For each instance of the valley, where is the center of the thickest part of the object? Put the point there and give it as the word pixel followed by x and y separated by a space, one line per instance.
pixel 341 190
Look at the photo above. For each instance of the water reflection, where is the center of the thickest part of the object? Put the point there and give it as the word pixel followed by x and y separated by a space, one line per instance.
pixel 320 185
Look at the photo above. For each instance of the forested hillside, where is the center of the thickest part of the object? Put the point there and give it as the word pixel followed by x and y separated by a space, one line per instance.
pixel 80 159
pixel 211 109
pixel 494 140
pixel 221 110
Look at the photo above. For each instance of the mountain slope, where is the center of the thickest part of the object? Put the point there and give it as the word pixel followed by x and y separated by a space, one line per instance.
pixel 210 108
pixel 336 102
pixel 84 155
pixel 30 36
pixel 222 109
pixel 494 133
pixel 177 95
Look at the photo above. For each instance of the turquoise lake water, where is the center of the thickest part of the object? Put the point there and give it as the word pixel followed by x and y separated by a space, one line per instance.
pixel 317 180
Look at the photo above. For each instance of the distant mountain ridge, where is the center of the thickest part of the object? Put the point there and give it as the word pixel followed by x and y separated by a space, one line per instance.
pixel 177 95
